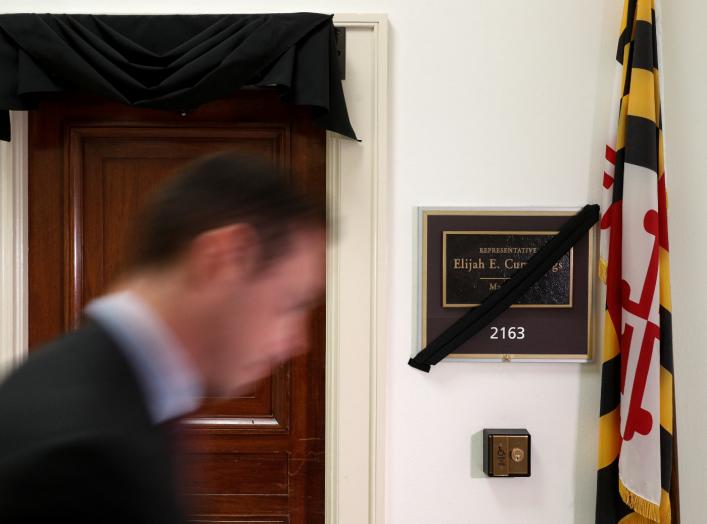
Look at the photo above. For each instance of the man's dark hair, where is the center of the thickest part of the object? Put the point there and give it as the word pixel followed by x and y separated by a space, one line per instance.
pixel 217 191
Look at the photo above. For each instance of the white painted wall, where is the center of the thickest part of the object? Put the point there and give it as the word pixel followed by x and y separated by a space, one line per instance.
pixel 686 132
pixel 507 103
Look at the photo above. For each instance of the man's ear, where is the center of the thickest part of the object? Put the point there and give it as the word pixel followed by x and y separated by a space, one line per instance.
pixel 229 253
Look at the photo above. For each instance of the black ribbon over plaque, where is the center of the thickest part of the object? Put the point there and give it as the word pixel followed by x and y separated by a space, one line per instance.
pixel 497 302
pixel 171 62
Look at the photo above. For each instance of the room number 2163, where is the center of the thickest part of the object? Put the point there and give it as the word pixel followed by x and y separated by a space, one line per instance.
pixel 507 333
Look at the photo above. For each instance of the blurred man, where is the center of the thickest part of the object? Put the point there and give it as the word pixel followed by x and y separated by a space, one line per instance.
pixel 229 262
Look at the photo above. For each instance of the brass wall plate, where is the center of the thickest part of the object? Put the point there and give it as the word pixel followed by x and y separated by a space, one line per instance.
pixel 507 452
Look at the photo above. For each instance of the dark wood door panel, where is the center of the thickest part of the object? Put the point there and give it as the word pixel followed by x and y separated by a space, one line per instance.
pixel 265 410
pixel 67 132
pixel 113 169
pixel 255 458
pixel 243 473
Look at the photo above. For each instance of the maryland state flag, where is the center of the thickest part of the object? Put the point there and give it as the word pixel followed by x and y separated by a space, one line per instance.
pixel 636 424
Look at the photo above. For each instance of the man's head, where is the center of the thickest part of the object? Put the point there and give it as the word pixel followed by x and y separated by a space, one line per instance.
pixel 232 257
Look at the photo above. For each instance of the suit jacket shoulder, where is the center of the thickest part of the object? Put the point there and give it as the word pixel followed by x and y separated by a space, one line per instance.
pixel 77 440
pixel 78 383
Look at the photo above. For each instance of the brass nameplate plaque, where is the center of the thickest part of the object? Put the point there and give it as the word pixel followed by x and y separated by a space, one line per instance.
pixel 476 263
pixel 465 255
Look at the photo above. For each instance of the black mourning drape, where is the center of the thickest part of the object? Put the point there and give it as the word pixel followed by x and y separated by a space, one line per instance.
pixel 173 62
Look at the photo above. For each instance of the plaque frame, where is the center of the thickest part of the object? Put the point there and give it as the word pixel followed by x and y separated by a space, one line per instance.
pixel 587 353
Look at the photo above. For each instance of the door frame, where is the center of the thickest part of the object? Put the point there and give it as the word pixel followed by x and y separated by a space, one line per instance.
pixel 357 276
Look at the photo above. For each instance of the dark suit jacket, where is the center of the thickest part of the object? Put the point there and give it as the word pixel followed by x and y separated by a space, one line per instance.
pixel 76 440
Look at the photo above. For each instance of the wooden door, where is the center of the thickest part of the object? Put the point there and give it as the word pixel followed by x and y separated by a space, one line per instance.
pixel 258 458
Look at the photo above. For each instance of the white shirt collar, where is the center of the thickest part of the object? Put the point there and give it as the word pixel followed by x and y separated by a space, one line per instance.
pixel 172 388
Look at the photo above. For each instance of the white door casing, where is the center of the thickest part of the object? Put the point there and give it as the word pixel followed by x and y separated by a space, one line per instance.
pixel 357 283
pixel 13 245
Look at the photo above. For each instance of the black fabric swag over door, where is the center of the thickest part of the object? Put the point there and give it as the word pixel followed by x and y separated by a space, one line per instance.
pixel 171 62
